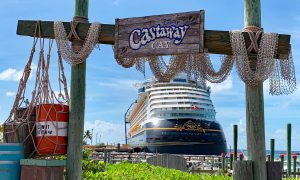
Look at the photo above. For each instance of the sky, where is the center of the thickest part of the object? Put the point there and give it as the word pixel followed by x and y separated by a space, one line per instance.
pixel 109 87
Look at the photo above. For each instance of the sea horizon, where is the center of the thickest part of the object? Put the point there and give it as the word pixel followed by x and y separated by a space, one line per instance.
pixel 268 152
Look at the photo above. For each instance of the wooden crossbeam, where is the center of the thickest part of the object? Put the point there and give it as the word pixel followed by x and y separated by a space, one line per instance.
pixel 217 42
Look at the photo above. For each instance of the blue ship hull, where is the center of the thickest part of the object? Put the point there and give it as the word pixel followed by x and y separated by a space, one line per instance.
pixel 181 136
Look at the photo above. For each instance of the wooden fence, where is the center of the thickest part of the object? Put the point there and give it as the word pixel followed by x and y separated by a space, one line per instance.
pixel 168 161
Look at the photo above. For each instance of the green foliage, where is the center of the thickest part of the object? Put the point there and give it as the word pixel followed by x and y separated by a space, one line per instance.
pixel 86 154
pixel 61 157
pixel 143 171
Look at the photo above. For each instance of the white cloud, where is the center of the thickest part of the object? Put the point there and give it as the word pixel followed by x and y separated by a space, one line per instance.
pixel 221 87
pixel 10 93
pixel 33 67
pixel 106 132
pixel 58 93
pixel 279 134
pixel 280 137
pixel 10 74
pixel 123 84
pixel 242 143
pixel 292 99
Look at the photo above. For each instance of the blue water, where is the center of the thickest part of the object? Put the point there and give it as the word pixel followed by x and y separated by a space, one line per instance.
pixel 276 153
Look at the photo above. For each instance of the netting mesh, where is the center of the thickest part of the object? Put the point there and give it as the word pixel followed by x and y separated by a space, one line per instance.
pixel 252 68
pixel 20 125
pixel 72 55
pixel 164 72
pixel 283 79
pixel 259 71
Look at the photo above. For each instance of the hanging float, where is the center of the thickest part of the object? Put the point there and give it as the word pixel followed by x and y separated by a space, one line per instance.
pixel 41 124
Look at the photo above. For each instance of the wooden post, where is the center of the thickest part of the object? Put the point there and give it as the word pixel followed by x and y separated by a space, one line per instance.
pixel 274 170
pixel 294 164
pixel 231 159
pixel 255 124
pixel 105 156
pixel 242 170
pixel 108 156
pixel 282 161
pixel 272 147
pixel 241 156
pixel 235 141
pixel 223 161
pixel 268 157
pixel 76 122
pixel 118 147
pixel 289 159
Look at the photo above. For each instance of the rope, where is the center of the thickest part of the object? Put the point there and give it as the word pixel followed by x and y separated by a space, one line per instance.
pixel 254 33
pixel 42 93
pixel 254 63
pixel 77 51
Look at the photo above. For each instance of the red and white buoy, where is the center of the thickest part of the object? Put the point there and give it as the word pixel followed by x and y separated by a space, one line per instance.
pixel 51 128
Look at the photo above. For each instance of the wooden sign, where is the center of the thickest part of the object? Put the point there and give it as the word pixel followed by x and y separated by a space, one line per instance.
pixel 170 34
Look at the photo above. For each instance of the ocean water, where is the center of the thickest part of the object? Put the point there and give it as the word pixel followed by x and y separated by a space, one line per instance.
pixel 268 152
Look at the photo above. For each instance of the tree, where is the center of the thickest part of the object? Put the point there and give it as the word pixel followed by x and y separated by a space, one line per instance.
pixel 87 135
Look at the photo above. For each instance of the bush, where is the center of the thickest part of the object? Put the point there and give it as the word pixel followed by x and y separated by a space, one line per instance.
pixel 144 171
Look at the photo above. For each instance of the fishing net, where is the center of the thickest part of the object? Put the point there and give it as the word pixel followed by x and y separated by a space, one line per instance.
pixel 20 126
pixel 254 64
pixel 78 54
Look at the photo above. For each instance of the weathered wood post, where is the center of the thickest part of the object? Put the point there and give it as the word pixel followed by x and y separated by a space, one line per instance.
pixel 243 170
pixel 105 156
pixel 272 147
pixel 294 164
pixel 235 141
pixel 223 161
pixel 231 160
pixel 109 157
pixel 217 42
pixel 241 156
pixel 289 142
pixel 282 161
pixel 77 107
pixel 274 171
pixel 255 123
pixel 118 147
pixel 268 157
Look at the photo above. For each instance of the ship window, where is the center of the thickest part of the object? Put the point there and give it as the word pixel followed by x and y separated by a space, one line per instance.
pixel 179 80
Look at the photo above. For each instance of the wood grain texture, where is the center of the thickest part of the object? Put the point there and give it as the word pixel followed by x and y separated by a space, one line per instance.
pixel 255 120
pixel 168 161
pixel 255 126
pixel 77 108
pixel 27 28
pixel 192 40
pixel 242 170
pixel 82 8
pixel 19 135
pixel 252 13
pixel 40 172
pixel 217 42
pixel 274 170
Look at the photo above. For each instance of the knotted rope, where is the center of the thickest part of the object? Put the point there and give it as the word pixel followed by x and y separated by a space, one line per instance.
pixel 42 93
pixel 251 70
pixel 77 51
pixel 254 33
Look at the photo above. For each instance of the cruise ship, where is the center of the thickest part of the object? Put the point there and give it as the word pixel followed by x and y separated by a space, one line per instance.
pixel 176 117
